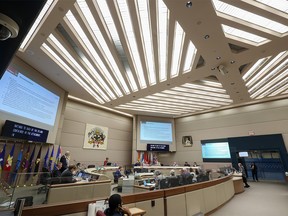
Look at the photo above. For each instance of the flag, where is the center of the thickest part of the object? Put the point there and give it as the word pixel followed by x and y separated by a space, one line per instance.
pixel 2 156
pixel 37 162
pixel 58 156
pixel 46 158
pixel 9 160
pixel 18 164
pixel 51 159
pixel 30 164
pixel 24 164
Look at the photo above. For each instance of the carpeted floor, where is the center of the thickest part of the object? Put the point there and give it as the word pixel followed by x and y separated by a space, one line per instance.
pixel 262 198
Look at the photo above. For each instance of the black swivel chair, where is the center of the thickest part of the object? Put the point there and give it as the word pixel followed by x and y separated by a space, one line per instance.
pixel 164 183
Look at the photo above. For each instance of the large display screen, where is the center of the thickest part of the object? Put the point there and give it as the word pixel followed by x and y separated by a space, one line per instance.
pixel 217 151
pixel 21 96
pixel 156 132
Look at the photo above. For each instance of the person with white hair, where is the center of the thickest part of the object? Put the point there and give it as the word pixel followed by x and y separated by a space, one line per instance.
pixel 65 160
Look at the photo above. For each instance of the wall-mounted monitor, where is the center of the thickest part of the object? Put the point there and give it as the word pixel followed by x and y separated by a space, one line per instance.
pixel 243 154
pixel 155 130
pixel 215 151
pixel 23 97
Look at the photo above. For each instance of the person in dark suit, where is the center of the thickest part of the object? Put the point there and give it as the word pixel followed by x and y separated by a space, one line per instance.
pixel 65 161
pixel 67 175
pixel 244 176
pixel 57 171
pixel 254 172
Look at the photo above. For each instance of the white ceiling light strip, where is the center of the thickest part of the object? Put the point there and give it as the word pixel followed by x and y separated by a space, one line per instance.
pixel 244 35
pixel 35 25
pixel 131 41
pixel 189 98
pixel 250 17
pixel 273 85
pixel 179 36
pixel 250 73
pixel 78 67
pixel 190 56
pixel 102 45
pixel 77 28
pixel 186 101
pixel 162 39
pixel 71 73
pixel 280 91
pixel 278 71
pixel 103 7
pixel 281 5
pixel 253 83
pixel 143 10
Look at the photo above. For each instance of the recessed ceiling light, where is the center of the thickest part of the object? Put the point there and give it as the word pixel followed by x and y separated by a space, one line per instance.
pixel 213 68
pixel 189 4
pixel 206 36
pixel 232 62
pixel 218 57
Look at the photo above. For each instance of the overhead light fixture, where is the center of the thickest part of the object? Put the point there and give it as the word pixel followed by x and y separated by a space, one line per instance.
pixel 8 27
pixel 206 36
pixel 189 4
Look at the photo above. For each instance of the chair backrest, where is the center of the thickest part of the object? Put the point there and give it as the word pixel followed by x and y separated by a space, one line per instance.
pixel 164 183
pixel 91 166
pixel 174 181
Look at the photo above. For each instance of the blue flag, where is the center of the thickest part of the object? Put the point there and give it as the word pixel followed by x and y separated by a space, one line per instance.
pixel 2 156
pixel 58 156
pixel 18 164
pixel 51 159
pixel 46 159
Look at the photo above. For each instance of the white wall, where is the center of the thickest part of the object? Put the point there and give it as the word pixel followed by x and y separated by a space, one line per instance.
pixel 266 118
pixel 119 147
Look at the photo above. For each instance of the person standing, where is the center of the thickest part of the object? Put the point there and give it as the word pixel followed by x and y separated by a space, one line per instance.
pixel 65 161
pixel 244 176
pixel 254 171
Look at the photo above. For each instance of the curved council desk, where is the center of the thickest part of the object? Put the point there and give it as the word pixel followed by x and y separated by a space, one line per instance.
pixel 165 170
pixel 204 197
pixel 106 170
pixel 81 190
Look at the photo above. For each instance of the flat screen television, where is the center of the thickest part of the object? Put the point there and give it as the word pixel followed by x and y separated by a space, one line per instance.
pixel 243 154
pixel 215 151
pixel 23 97
pixel 157 131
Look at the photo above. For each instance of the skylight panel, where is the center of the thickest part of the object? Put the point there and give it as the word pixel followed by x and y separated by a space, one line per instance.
pixel 281 5
pixel 103 45
pixel 131 40
pixel 254 68
pixel 242 34
pixel 79 68
pixel 71 73
pixel 179 36
pixel 143 8
pixel 191 52
pixel 36 24
pixel 250 17
pixel 162 39
pixel 116 39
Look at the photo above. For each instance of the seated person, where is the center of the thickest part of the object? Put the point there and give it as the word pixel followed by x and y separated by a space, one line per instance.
pixel 186 164
pixel 115 207
pixel 195 164
pixel 157 177
pixel 67 175
pixel 57 170
pixel 172 172
pixel 175 164
pixel 137 163
pixel 118 174
pixel 106 162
